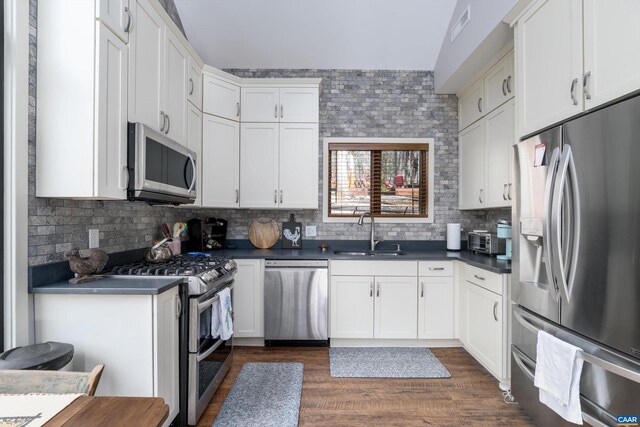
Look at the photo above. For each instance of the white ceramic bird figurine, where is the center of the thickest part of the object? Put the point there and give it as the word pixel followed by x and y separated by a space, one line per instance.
pixel 294 237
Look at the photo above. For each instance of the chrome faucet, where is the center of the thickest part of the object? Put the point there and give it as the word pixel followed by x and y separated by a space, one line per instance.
pixel 373 227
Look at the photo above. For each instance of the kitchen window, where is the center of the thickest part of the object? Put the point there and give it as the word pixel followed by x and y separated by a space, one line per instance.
pixel 391 178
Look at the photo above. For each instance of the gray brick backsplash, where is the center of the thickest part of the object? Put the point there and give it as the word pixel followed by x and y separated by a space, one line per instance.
pixel 353 103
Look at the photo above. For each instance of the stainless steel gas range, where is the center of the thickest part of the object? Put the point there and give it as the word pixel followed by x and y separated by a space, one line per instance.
pixel 204 359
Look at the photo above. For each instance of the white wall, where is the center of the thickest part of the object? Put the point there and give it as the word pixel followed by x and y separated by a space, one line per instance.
pixel 483 36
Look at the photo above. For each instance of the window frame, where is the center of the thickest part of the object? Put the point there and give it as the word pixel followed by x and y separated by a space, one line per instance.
pixel 388 220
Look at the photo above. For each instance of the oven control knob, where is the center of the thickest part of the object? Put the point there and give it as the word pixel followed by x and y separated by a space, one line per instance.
pixel 230 265
pixel 213 274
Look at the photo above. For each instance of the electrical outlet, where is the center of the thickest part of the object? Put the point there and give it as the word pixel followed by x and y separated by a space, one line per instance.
pixel 310 231
pixel 94 238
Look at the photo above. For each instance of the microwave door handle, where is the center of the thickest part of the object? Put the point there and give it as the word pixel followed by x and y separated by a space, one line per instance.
pixel 546 230
pixel 193 178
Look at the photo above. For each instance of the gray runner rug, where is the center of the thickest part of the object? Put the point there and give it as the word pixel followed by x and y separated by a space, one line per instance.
pixel 385 362
pixel 265 395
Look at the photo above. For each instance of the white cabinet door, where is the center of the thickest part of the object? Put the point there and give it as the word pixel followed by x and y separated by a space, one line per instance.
pixel 299 105
pixel 176 88
pixel 166 345
pixel 470 105
pixel 260 104
pixel 549 57
pixel 611 40
pixel 221 98
pixel 351 303
pixel 194 142
pixel 111 115
pixel 220 147
pixel 248 299
pixel 146 66
pixel 484 327
pixel 259 165
pixel 115 14
pixel 396 307
pixel 499 139
pixel 298 166
pixel 471 166
pixel 435 308
pixel 194 83
pixel 499 83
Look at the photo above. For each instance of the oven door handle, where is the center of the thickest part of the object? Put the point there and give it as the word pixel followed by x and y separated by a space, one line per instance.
pixel 201 357
pixel 208 303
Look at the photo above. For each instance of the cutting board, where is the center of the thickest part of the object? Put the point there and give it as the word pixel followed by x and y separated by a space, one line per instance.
pixel 264 233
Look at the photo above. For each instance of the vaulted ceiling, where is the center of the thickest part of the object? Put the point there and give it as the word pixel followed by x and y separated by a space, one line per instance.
pixel 323 34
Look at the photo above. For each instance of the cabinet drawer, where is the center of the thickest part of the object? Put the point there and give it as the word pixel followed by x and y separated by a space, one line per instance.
pixel 375 268
pixel 483 278
pixel 435 268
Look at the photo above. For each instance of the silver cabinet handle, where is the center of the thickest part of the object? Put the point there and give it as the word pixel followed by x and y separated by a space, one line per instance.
pixel 480 104
pixel 190 86
pixel 178 306
pixel 237 195
pixel 281 110
pixel 275 197
pixel 371 289
pixel 237 109
pixel 586 85
pixel 281 196
pixel 421 289
pixel 509 192
pixel 504 192
pixel 127 27
pixel 276 111
pixel 509 84
pixel 574 83
pixel 495 313
pixel 504 89
pixel 478 277
pixel 163 119
pixel 481 196
pixel 168 124
pixel 377 289
pixel 436 268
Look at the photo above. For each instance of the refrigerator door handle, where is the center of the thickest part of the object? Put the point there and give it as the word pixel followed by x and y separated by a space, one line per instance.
pixel 566 169
pixel 546 231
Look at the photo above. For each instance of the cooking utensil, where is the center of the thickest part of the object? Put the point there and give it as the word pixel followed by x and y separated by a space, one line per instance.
pixel 264 233
pixel 165 230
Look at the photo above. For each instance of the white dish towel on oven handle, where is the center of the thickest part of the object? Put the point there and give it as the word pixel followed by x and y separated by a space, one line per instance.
pixel 222 316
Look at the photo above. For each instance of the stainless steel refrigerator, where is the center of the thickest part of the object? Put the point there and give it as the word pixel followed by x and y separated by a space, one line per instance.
pixel 576 258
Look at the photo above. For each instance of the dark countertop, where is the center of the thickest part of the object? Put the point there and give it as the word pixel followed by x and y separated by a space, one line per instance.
pixel 112 285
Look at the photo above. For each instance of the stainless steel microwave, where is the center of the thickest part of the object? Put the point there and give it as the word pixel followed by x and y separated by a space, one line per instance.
pixel 161 171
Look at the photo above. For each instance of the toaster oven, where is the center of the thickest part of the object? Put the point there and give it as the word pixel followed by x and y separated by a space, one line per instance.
pixel 485 243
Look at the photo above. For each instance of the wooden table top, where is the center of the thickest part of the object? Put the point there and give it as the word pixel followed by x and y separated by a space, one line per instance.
pixel 112 411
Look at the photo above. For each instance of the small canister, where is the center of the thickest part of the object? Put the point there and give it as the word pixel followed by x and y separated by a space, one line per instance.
pixel 504 229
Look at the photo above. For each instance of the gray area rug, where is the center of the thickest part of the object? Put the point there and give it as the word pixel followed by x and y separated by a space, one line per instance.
pixel 385 362
pixel 264 395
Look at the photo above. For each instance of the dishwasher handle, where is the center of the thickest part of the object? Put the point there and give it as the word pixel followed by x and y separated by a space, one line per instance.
pixel 294 263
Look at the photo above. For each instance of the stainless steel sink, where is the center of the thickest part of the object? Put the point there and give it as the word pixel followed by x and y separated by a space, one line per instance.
pixel 369 253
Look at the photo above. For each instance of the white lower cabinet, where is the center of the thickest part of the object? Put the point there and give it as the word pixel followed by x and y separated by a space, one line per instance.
pixel 135 336
pixel 396 311
pixel 248 299
pixel 435 308
pixel 351 306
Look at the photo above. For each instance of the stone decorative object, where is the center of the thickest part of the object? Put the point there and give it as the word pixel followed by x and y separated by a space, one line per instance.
pixel 85 267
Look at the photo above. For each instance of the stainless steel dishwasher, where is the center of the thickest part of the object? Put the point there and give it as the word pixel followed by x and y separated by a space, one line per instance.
pixel 295 302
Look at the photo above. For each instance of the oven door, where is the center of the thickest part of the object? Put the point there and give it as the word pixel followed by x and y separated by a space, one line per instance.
pixel 200 315
pixel 161 169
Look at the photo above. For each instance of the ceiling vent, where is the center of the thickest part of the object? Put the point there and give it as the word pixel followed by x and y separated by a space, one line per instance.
pixel 460 23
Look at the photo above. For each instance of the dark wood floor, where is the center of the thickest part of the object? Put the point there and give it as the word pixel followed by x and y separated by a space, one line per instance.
pixel 470 397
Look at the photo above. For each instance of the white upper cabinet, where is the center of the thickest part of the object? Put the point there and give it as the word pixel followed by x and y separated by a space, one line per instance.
pixel 259 165
pixel 175 87
pixel 611 40
pixel 115 14
pixel 263 104
pixel 82 104
pixel 499 83
pixel 499 140
pixel 298 166
pixel 221 184
pixel 471 166
pixel 549 63
pixel 194 142
pixel 146 66
pixel 221 98
pixel 260 104
pixel 194 83
pixel 470 105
